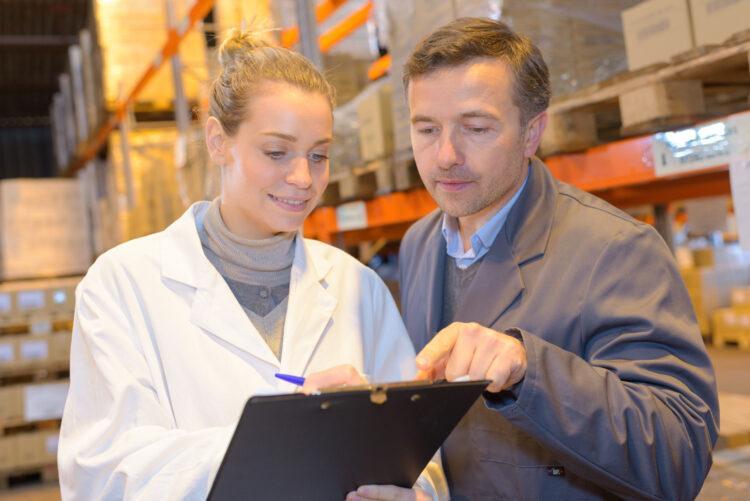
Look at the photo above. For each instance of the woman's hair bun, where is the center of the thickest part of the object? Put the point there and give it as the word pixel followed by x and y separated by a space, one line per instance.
pixel 238 44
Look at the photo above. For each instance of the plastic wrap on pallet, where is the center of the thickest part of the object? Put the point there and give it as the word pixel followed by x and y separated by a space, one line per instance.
pixel 581 40
pixel 345 148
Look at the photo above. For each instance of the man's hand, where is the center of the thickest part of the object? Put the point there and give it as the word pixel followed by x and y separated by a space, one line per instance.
pixel 341 375
pixel 482 353
pixel 387 493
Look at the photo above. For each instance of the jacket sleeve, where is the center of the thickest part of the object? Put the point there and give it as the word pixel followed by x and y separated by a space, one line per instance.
pixel 118 440
pixel 636 411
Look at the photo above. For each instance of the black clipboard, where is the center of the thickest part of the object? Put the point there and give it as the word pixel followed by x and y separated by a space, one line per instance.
pixel 323 446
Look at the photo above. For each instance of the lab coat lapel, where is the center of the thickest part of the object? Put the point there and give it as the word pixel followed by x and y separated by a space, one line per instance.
pixel 213 306
pixel 216 310
pixel 310 308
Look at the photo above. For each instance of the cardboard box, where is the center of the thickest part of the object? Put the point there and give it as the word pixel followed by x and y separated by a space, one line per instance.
pixel 59 346
pixel 44 228
pixel 31 449
pixel 11 403
pixel 8 452
pixel 375 122
pixel 714 21
pixel 655 31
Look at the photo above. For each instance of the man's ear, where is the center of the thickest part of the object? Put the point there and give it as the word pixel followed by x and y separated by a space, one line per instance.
pixel 217 142
pixel 534 131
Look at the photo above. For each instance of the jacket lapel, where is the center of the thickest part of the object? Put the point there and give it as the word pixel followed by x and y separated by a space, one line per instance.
pixel 524 237
pixel 311 306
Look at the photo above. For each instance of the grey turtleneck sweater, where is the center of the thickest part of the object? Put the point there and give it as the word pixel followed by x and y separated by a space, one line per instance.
pixel 257 272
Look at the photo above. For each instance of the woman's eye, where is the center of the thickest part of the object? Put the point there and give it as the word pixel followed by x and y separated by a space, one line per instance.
pixel 317 157
pixel 275 155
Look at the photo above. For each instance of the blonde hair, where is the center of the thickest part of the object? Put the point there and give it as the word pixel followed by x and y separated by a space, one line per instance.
pixel 247 61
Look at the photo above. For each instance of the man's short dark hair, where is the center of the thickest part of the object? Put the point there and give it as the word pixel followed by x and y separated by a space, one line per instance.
pixel 468 38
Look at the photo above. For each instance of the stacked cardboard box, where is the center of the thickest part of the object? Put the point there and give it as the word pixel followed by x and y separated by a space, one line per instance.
pixel 733 323
pixel 131 35
pixel 149 188
pixel 28 450
pixel 44 228
pixel 716 20
pixel 24 352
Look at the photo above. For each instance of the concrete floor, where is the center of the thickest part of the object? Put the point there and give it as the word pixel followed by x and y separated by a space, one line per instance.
pixel 728 480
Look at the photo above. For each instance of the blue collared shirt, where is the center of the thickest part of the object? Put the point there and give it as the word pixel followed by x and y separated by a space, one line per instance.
pixel 482 240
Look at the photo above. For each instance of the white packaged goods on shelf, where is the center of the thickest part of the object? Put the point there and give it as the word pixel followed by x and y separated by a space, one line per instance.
pixel 44 401
pixel 34 349
pixel 44 229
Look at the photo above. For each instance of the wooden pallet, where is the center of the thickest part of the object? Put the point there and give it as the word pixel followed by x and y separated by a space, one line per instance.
pixel 701 84
pixel 17 477
pixel 36 323
pixel 360 183
pixel 10 428
pixel 734 429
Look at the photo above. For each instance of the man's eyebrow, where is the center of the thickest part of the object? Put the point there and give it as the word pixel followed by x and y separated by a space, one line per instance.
pixel 478 114
pixel 468 114
pixel 421 118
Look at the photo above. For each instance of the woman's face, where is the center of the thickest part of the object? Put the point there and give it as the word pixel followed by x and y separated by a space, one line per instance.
pixel 275 168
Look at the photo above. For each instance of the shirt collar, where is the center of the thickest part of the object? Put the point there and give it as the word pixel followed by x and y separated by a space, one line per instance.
pixel 485 236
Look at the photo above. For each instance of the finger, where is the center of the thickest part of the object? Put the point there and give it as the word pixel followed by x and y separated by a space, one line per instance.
pixel 498 373
pixel 423 375
pixel 386 492
pixel 488 348
pixel 342 375
pixel 463 352
pixel 439 348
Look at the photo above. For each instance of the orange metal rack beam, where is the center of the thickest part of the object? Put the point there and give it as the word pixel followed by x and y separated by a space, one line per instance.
pixel 619 172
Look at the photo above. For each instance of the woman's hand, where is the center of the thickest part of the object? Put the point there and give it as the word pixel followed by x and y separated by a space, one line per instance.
pixel 341 375
pixel 387 493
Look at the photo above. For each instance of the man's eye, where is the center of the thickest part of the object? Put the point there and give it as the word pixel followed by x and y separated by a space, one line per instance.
pixel 275 155
pixel 478 130
pixel 427 130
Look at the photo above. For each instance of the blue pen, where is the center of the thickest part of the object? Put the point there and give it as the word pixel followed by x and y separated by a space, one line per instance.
pixel 298 380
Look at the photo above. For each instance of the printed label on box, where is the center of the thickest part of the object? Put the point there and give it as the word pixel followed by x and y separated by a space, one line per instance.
pixel 30 300
pixel 51 444
pixel 6 353
pixel 41 326
pixel 5 302
pixel 34 350
pixel 351 216
pixel 44 401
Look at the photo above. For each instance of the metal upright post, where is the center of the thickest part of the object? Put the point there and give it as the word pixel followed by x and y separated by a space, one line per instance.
pixel 308 32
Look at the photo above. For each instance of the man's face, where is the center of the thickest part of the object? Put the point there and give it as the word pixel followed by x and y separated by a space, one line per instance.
pixel 469 145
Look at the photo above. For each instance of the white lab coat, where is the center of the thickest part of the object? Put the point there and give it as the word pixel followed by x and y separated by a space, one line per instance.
pixel 164 358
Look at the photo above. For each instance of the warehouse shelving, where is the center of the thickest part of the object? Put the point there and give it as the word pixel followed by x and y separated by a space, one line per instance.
pixel 174 36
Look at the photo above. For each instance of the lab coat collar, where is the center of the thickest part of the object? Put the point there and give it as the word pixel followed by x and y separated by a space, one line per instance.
pixel 216 310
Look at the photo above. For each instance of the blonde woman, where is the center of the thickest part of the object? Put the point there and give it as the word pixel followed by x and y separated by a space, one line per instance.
pixel 174 331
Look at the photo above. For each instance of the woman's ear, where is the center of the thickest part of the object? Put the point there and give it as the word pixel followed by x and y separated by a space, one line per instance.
pixel 217 142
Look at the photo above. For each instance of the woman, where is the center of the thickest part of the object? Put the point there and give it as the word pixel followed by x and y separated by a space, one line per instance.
pixel 174 331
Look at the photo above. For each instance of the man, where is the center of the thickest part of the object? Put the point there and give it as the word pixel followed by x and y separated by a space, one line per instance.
pixel 601 385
